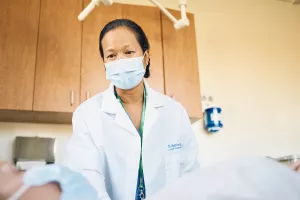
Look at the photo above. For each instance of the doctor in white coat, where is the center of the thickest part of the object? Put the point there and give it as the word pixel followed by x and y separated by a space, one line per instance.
pixel 130 141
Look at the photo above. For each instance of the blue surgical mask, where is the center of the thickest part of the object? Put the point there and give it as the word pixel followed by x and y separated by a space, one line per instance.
pixel 125 73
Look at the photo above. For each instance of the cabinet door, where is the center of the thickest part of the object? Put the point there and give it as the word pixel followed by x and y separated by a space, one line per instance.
pixel 181 64
pixel 18 40
pixel 149 18
pixel 93 78
pixel 57 82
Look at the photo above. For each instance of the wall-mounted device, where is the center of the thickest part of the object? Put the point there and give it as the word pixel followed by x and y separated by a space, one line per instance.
pixel 32 151
pixel 212 115
pixel 212 119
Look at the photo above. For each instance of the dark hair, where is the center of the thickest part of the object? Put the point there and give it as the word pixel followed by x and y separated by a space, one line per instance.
pixel 132 26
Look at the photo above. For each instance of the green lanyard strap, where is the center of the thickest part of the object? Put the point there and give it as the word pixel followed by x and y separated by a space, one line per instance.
pixel 141 131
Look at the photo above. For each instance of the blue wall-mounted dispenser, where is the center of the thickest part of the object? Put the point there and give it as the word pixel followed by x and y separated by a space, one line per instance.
pixel 212 119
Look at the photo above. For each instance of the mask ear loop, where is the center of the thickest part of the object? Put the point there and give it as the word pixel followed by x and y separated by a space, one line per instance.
pixel 19 193
pixel 144 55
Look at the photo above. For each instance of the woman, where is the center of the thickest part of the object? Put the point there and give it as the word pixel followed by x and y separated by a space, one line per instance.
pixel 130 141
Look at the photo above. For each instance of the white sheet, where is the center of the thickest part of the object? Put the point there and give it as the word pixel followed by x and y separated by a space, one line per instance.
pixel 238 179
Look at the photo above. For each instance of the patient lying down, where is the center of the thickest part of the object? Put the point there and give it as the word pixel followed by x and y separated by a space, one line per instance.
pixel 241 178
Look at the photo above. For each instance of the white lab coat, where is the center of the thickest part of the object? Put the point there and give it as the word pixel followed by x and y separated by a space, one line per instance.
pixel 105 146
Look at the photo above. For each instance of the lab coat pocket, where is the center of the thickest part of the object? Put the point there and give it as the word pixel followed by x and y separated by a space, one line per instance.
pixel 172 166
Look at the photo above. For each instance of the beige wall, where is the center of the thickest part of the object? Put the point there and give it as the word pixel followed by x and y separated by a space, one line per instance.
pixel 249 55
pixel 249 61
pixel 8 132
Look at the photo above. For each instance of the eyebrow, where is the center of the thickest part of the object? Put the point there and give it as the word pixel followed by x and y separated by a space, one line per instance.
pixel 110 49
pixel 126 45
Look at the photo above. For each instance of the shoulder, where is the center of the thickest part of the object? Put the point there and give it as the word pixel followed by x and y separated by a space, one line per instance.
pixel 168 102
pixel 92 104
pixel 172 103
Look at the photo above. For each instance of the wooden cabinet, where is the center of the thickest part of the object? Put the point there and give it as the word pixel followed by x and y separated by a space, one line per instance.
pixel 181 65
pixel 93 78
pixel 57 80
pixel 149 19
pixel 50 62
pixel 18 40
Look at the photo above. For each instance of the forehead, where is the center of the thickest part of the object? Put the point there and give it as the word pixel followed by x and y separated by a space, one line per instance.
pixel 118 38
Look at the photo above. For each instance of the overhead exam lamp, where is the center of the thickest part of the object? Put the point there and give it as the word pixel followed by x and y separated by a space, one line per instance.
pixel 178 24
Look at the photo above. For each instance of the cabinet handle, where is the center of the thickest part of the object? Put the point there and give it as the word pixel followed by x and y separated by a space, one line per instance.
pixel 87 95
pixel 72 97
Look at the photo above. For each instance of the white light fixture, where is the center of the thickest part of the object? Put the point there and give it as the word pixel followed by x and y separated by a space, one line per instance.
pixel 178 24
pixel 91 7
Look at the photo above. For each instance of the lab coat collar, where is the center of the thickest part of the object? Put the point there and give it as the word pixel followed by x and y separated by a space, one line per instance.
pixel 109 101
pixel 111 105
pixel 154 102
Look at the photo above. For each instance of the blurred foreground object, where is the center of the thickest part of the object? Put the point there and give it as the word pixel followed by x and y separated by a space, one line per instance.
pixel 237 179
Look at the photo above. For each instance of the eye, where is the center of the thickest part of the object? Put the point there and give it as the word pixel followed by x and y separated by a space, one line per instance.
pixel 129 52
pixel 111 56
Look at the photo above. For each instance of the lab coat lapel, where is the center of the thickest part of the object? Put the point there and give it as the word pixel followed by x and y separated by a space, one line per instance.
pixel 154 102
pixel 109 101
pixel 112 106
pixel 123 120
